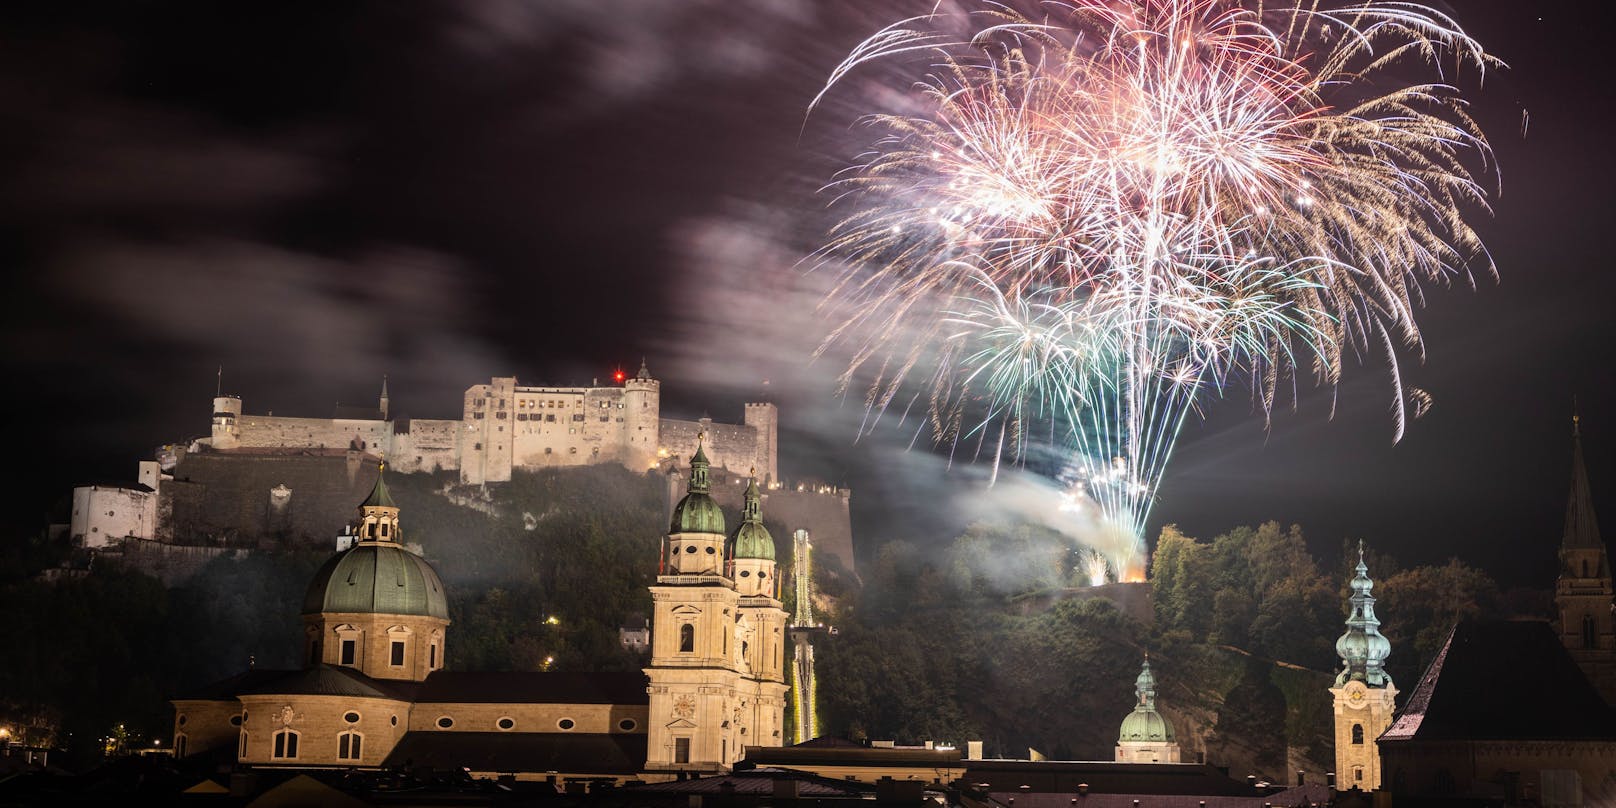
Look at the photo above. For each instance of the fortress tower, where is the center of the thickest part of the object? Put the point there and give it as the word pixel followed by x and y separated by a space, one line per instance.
pixel 765 418
pixel 226 418
pixel 642 408
pixel 1583 592
pixel 1365 698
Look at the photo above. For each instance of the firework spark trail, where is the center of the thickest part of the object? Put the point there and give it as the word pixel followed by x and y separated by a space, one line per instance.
pixel 1109 209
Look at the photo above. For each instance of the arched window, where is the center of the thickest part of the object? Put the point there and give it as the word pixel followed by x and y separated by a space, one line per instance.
pixel 179 746
pixel 687 638
pixel 1588 632
pixel 348 745
pixel 285 745
pixel 1357 734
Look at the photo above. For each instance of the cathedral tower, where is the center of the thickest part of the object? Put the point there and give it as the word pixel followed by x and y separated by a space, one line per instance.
pixel 1146 736
pixel 696 719
pixel 377 607
pixel 1583 594
pixel 762 625
pixel 1365 697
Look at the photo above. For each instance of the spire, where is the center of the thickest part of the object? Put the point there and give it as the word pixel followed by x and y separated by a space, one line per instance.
pixel 699 481
pixel 1581 526
pixel 1362 649
pixel 1145 686
pixel 644 374
pixel 383 406
pixel 752 508
pixel 379 496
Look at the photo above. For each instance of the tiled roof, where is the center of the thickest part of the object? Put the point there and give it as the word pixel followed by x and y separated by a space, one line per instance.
pixel 1503 681
pixel 328 680
pixel 758 782
pixel 534 687
pixel 562 752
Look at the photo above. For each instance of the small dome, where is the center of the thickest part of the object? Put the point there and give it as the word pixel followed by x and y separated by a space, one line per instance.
pixel 376 578
pixel 1147 726
pixel 752 540
pixel 697 513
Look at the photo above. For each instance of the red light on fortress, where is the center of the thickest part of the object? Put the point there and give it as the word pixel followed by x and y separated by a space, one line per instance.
pixel 618 376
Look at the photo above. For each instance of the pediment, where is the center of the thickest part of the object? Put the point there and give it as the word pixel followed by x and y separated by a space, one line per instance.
pixel 682 723
pixel 686 608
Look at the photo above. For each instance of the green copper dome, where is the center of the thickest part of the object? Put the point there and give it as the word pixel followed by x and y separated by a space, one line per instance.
pixel 1144 724
pixel 752 539
pixel 697 512
pixel 377 578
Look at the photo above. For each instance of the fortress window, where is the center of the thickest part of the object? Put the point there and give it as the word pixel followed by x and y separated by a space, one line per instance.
pixel 547 450
pixel 500 415
pixel 550 417
pixel 348 745
pixel 687 638
pixel 521 416
pixel 285 745
pixel 477 446
pixel 477 416
pixel 398 653
pixel 603 419
pixel 572 450
pixel 577 416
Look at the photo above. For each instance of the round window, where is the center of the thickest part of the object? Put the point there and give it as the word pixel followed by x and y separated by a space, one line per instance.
pixel 565 723
pixel 352 718
pixel 627 725
pixel 235 721
pixel 675 550
pixel 182 721
pixel 763 575
pixel 445 722
pixel 691 549
pixel 711 550
pixel 506 723
pixel 395 721
pixel 746 573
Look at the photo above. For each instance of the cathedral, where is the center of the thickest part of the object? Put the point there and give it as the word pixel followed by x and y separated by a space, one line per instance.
pixel 374 692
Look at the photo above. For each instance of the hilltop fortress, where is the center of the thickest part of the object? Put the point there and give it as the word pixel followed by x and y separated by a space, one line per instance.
pixel 506 425
pixel 266 481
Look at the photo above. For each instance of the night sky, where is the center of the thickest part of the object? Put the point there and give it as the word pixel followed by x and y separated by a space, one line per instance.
pixel 312 196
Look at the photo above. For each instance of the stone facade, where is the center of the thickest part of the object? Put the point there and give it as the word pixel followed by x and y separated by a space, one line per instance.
pixel 505 425
pixel 717 676
pixel 1362 713
pixel 1583 594
pixel 105 515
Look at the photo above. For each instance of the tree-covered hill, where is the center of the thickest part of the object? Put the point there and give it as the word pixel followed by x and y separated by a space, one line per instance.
pixel 543 570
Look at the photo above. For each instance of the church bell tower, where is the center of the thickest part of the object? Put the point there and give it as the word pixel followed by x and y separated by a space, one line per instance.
pixel 1583 594
pixel 1365 698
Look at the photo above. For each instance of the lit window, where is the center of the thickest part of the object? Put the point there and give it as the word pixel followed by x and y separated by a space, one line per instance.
pixel 348 745
pixel 285 745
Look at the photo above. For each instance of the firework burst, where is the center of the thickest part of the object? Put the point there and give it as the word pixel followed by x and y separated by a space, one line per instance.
pixel 1097 215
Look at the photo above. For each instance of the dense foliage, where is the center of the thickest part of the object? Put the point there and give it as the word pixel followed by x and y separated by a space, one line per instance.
pixel 993 637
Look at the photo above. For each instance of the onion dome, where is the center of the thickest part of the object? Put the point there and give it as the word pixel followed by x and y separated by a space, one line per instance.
pixel 752 539
pixel 697 512
pixel 377 575
pixel 1144 724
pixel 1362 648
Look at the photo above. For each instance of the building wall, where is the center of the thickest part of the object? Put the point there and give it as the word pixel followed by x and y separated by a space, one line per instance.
pixel 1142 752
pixel 530 718
pixel 318 720
pixel 420 445
pixel 738 448
pixel 1359 765
pixel 1529 772
pixel 273 431
pixel 206 724
pixel 103 515
pixel 373 635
